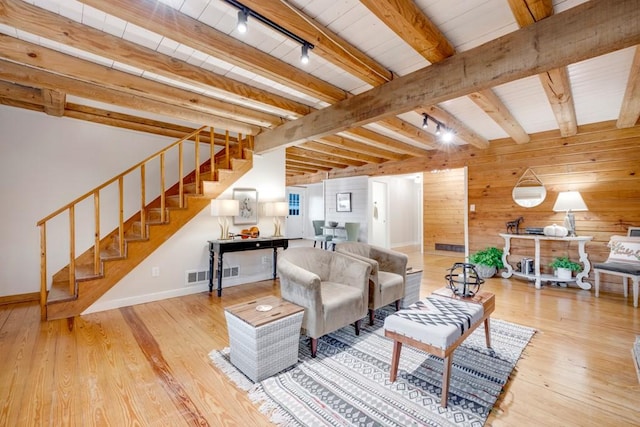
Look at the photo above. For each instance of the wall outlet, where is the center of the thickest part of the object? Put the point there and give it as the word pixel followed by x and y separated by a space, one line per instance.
pixel 265 259
pixel 155 271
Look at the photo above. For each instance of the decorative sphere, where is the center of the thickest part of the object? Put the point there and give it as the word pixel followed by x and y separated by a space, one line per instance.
pixel 463 279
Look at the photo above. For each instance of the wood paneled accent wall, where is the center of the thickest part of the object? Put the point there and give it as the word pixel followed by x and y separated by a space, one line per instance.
pixel 601 161
pixel 444 205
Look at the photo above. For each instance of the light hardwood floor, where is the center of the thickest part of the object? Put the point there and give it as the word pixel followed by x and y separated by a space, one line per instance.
pixel 148 364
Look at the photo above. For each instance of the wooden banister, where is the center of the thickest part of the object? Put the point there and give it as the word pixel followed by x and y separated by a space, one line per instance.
pixel 120 180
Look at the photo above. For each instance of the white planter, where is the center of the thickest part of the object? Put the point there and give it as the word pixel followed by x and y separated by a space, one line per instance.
pixel 563 273
pixel 485 271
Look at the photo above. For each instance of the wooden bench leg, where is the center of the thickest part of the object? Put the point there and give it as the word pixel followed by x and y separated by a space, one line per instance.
pixel 487 332
pixel 446 373
pixel 395 359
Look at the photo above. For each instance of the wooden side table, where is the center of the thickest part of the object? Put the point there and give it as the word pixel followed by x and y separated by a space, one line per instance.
pixel 264 343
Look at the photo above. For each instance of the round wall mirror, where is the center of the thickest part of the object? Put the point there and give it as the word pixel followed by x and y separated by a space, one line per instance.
pixel 529 190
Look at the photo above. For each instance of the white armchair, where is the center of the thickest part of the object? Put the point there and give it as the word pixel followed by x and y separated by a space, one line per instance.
pixel 332 287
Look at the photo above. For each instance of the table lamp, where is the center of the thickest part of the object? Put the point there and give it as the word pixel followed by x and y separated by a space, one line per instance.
pixel 569 201
pixel 223 209
pixel 276 210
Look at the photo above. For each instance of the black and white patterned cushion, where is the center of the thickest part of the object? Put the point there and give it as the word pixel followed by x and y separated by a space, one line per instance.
pixel 435 320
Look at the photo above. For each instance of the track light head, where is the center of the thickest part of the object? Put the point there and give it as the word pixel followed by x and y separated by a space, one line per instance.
pixel 304 58
pixel 425 121
pixel 242 21
pixel 438 129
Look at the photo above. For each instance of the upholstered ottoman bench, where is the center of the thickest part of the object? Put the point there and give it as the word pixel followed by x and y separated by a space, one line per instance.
pixel 437 324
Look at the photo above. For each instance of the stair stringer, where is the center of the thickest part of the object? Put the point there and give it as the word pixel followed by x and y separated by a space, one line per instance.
pixel 113 270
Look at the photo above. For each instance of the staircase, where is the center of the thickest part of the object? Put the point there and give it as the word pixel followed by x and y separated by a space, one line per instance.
pixel 88 276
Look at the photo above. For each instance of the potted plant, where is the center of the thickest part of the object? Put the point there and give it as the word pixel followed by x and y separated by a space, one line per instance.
pixel 564 267
pixel 487 261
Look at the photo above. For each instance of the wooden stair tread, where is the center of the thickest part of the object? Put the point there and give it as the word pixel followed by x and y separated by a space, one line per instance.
pixel 90 286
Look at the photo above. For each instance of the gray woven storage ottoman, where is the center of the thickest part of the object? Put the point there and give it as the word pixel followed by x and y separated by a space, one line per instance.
pixel 412 288
pixel 264 343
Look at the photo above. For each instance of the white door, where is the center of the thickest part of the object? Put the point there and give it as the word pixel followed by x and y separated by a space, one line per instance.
pixel 295 218
pixel 378 216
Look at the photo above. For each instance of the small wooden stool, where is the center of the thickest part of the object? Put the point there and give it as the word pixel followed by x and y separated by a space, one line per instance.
pixel 437 325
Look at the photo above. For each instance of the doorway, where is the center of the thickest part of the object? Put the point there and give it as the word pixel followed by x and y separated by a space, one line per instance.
pixel 296 213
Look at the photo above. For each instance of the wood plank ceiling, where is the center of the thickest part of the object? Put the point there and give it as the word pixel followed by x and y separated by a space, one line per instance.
pixel 376 68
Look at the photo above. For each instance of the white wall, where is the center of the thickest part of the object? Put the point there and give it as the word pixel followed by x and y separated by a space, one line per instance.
pixel 358 187
pixel 188 248
pixel 47 162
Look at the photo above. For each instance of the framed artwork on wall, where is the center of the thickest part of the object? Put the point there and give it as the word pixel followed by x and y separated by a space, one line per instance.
pixel 343 202
pixel 248 200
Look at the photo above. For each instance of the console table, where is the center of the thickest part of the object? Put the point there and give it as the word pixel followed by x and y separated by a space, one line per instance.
pixel 221 247
pixel 584 259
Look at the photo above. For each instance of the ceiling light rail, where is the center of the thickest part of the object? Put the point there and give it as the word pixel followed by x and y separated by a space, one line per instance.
pixel 443 131
pixel 243 16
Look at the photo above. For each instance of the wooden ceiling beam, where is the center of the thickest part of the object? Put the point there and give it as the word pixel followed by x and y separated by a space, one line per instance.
pixel 461 130
pixel 314 162
pixel 555 82
pixel 588 30
pixel 316 155
pixel 407 20
pixel 384 142
pixel 305 167
pixel 163 19
pixel 489 102
pixel 40 57
pixel 630 109
pixel 20 93
pixel 63 30
pixel 32 77
pixel 339 52
pixel 340 152
pixel 53 101
pixel 340 141
pixel 328 44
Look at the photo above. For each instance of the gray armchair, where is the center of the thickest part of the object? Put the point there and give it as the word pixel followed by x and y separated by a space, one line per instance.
pixel 388 273
pixel 333 288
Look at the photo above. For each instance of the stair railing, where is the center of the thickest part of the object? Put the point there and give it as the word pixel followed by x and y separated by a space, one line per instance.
pixel 95 193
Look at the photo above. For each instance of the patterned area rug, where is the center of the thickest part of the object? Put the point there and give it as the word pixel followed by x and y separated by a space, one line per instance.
pixel 347 384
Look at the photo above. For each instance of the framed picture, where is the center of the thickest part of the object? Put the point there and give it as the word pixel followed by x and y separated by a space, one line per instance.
pixel 248 200
pixel 343 202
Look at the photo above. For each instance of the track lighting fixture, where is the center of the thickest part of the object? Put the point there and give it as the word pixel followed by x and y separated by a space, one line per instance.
pixel 243 16
pixel 442 131
pixel 242 21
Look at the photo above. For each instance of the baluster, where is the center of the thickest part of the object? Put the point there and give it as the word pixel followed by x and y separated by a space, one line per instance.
pixel 162 195
pixel 72 250
pixel 212 152
pixel 240 152
pixel 96 237
pixel 226 149
pixel 121 215
pixel 43 271
pixel 143 202
pixel 180 174
pixel 197 162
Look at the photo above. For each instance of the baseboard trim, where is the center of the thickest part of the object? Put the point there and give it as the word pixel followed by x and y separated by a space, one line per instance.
pixel 15 299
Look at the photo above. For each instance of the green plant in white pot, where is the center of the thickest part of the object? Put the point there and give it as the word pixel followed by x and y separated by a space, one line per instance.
pixel 487 261
pixel 564 267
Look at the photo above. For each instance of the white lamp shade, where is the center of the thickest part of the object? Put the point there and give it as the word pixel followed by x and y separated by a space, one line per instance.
pixel 280 209
pixel 569 201
pixel 226 207
pixel 276 209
